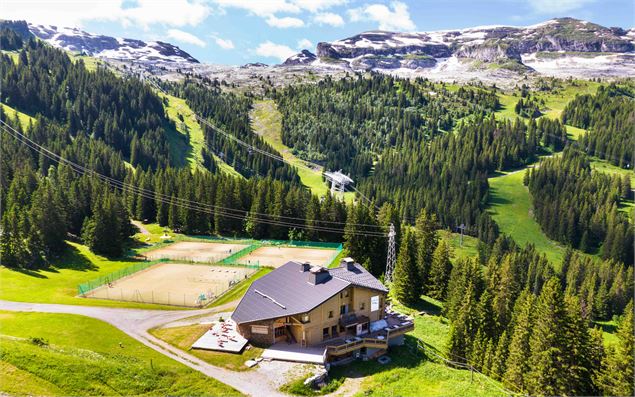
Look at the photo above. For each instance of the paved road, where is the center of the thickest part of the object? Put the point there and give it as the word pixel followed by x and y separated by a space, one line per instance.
pixel 136 322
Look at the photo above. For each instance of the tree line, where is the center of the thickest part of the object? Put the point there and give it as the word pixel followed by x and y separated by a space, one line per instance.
pixel 579 207
pixel 519 321
pixel 608 116
pixel 90 104
pixel 347 123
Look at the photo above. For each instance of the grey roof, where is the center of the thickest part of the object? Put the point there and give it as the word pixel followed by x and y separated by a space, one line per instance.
pixel 359 276
pixel 286 291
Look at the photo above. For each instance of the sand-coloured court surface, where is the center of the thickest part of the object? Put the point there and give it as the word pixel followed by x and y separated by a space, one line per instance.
pixel 194 251
pixel 174 284
pixel 278 256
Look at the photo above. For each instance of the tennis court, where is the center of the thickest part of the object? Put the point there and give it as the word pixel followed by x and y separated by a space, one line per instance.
pixel 194 251
pixel 174 284
pixel 278 256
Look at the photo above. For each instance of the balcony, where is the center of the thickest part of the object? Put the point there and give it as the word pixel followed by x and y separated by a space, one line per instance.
pixel 396 325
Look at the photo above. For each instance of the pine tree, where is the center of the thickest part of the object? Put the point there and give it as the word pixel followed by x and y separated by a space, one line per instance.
pixel 405 275
pixel 517 364
pixel 548 374
pixel 47 219
pixel 616 377
pixel 440 271
pixel 427 240
pixel 499 359
pixel 465 326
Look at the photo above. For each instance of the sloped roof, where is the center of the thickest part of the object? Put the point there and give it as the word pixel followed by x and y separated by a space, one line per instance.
pixel 286 291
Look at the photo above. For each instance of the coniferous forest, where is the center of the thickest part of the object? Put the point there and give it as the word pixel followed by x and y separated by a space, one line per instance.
pixel 420 153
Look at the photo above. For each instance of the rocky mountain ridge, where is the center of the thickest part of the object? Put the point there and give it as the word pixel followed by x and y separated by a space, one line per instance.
pixel 107 47
pixel 488 47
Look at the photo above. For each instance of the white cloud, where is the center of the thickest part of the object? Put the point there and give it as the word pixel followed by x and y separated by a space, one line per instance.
pixel 74 13
pixel 395 17
pixel 262 8
pixel 304 44
pixel 225 44
pixel 318 5
pixel 284 22
pixel 329 18
pixel 172 13
pixel 555 7
pixel 62 13
pixel 185 37
pixel 272 50
pixel 270 9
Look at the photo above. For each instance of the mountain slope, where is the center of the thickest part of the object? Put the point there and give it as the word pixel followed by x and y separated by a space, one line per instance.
pixel 99 46
pixel 589 48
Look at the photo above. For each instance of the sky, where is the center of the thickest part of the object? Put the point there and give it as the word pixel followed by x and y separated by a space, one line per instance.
pixel 241 31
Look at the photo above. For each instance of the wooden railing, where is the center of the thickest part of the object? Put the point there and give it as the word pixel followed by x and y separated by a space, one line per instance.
pixel 369 342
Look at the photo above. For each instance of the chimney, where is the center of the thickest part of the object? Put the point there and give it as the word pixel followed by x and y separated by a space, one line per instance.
pixel 305 266
pixel 348 263
pixel 318 275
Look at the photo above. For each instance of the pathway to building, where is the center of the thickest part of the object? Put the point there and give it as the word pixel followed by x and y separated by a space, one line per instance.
pixel 136 322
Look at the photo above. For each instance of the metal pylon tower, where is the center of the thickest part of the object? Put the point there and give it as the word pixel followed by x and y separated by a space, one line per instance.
pixel 391 259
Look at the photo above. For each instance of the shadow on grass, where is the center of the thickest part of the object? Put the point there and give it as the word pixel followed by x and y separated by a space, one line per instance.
pixel 496 199
pixel 607 327
pixel 73 259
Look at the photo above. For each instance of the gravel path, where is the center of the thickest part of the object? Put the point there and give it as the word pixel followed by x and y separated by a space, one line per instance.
pixel 142 228
pixel 136 322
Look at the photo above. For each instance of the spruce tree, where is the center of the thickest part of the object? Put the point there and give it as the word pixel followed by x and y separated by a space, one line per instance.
pixel 517 364
pixel 405 277
pixel 427 240
pixel 440 271
pixel 548 375
pixel 616 377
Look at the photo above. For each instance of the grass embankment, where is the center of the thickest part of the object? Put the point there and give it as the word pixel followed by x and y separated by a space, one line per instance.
pixel 237 292
pixel 23 118
pixel 267 122
pixel 191 141
pixel 85 356
pixel 184 337
pixel 510 206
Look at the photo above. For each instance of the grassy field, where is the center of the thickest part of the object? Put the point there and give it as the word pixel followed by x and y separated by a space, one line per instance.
pixel 184 337
pixel 510 206
pixel 84 356
pixel 267 122
pixel 469 249
pixel 58 284
pixel 24 118
pixel 191 148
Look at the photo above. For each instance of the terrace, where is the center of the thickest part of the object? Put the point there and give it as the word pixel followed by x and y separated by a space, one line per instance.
pixel 395 325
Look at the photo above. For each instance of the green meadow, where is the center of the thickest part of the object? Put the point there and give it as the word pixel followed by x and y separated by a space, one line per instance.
pixel 70 355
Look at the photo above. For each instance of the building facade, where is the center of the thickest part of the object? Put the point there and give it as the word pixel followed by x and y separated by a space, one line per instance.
pixel 342 310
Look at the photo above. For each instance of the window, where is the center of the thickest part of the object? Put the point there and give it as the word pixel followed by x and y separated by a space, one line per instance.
pixel 343 309
pixel 362 305
pixel 325 332
pixel 330 313
pixel 306 318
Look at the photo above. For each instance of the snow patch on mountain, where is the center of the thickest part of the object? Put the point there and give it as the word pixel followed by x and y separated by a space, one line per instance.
pixel 106 47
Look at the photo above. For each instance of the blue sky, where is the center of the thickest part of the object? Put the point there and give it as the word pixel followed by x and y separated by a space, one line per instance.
pixel 241 31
